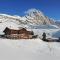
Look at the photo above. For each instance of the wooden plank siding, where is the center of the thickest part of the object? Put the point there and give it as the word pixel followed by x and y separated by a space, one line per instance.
pixel 18 34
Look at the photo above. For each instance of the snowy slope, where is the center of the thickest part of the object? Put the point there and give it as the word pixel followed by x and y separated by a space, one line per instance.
pixel 28 50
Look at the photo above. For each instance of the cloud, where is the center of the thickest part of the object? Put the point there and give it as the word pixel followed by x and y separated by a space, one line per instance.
pixel 30 10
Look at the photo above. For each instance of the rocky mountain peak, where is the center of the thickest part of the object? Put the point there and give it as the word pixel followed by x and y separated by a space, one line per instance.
pixel 37 17
pixel 33 16
pixel 34 13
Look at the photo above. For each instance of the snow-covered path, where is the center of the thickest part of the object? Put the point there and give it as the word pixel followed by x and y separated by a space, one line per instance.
pixel 28 50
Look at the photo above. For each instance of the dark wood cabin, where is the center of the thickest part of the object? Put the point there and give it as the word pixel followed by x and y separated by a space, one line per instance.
pixel 19 34
pixel 8 31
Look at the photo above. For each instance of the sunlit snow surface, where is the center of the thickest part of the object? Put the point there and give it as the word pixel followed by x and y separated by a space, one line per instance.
pixel 34 49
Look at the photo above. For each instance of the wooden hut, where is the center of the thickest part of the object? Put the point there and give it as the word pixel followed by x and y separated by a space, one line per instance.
pixel 9 31
pixel 18 34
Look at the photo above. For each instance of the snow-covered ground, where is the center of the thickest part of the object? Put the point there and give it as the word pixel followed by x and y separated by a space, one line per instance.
pixel 34 49
pixel 29 49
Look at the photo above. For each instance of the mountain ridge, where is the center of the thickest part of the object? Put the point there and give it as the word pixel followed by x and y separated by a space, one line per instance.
pixel 32 17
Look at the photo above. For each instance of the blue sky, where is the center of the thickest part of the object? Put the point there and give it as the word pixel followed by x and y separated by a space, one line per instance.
pixel 51 8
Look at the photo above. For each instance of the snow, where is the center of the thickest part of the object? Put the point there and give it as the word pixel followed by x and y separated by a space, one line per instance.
pixel 34 49
pixel 7 24
pixel 49 30
pixel 10 16
pixel 56 34
pixel 29 49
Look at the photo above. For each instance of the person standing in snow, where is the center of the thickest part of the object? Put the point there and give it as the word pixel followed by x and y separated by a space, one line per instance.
pixel 44 36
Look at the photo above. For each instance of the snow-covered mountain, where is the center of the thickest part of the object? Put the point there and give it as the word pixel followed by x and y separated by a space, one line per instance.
pixel 33 19
pixel 37 17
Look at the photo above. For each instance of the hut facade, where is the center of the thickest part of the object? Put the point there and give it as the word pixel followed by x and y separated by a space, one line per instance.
pixel 18 34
